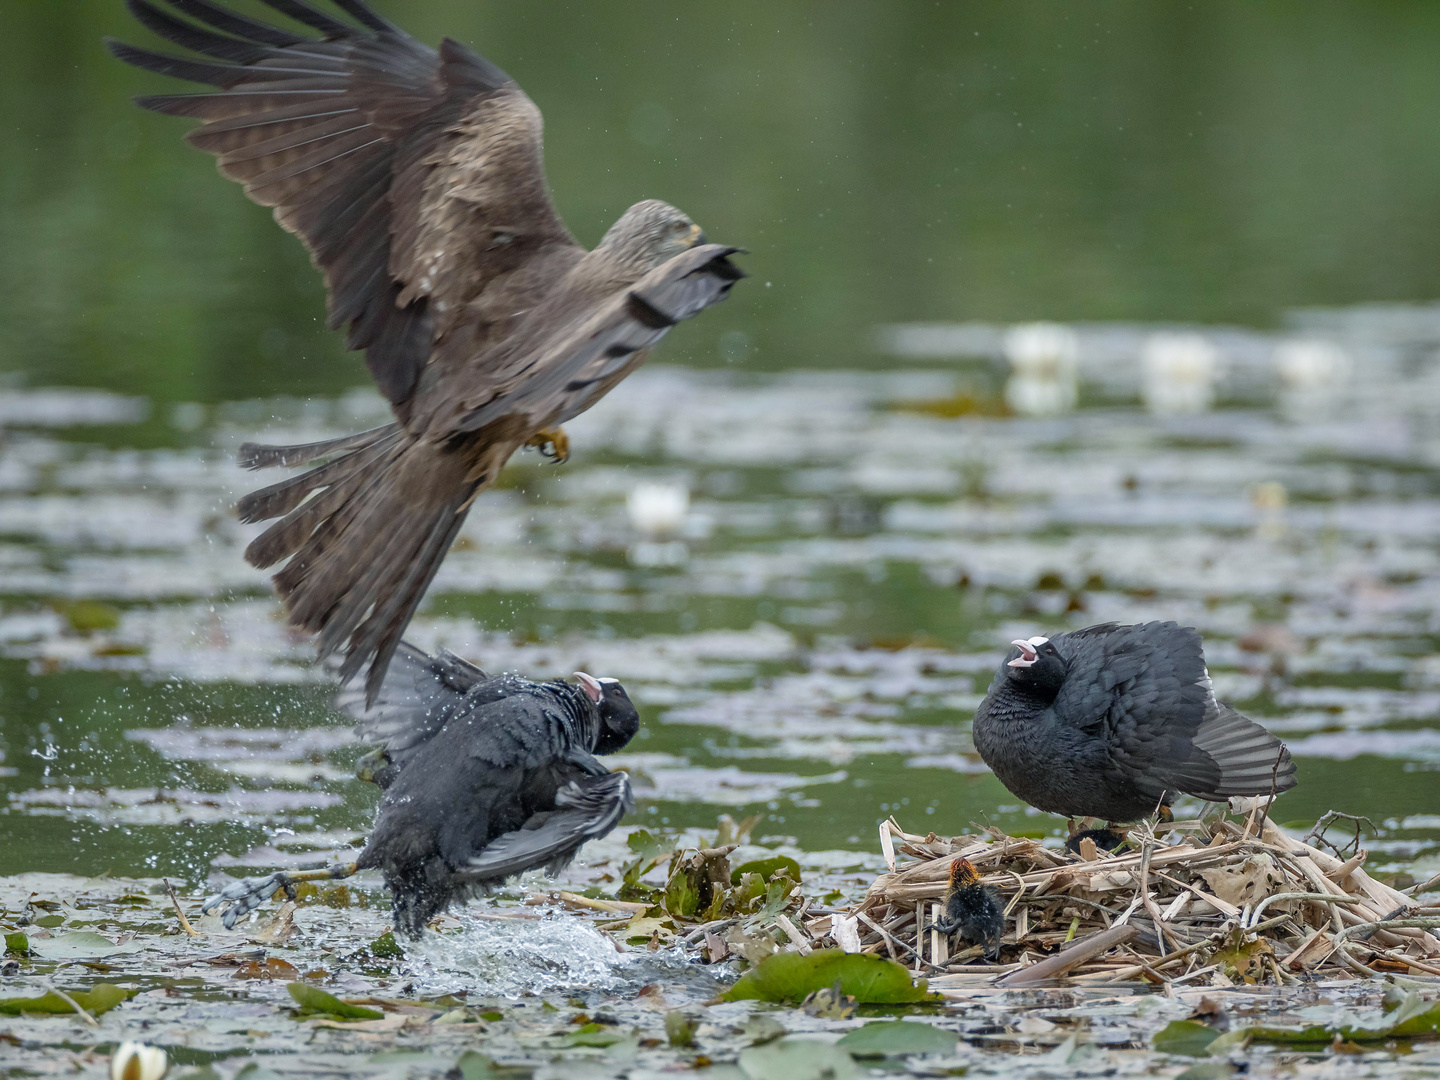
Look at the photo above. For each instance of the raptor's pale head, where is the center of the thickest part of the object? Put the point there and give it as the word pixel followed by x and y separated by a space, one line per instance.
pixel 650 233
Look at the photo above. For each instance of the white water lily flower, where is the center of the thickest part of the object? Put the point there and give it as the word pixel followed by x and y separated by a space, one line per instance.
pixel 1045 358
pixel 1179 373
pixel 1305 364
pixel 136 1061
pixel 656 509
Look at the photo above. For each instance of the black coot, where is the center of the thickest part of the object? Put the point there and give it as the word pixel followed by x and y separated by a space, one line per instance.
pixel 1114 721
pixel 484 777
pixel 972 910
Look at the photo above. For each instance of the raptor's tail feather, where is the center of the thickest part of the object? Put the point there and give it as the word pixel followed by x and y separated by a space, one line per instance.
pixel 364 534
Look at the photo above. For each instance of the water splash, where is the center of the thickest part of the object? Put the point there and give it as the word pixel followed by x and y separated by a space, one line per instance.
pixel 516 957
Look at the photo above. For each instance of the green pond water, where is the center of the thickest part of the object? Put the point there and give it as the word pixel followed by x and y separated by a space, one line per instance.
pixel 863 530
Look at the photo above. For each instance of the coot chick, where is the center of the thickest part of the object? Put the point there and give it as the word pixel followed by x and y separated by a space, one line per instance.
pixel 1114 721
pixel 484 777
pixel 972 910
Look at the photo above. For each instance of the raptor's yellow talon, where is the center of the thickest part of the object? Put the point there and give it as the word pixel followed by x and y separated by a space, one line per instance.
pixel 553 443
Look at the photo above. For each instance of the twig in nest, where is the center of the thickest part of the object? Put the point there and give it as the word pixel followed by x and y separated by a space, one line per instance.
pixel 1074 956
pixel 1318 832
pixel 184 922
pixel 1423 887
pixel 1162 931
pixel 1317 897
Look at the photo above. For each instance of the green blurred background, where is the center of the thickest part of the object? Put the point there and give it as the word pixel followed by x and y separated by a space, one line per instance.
pixel 883 161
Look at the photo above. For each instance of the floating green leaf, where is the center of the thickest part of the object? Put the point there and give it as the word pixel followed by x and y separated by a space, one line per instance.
pixel 1208 1070
pixel 1413 1018
pixel 749 888
pixel 49 922
pixel 767 869
pixel 681 896
pixel 777 894
pixel 1188 1037
pixel 87 616
pixel 680 1028
pixel 798 1059
pixel 593 1035
pixel 385 947
pixel 895 1038
pixel 792 977
pixel 81 945
pixel 17 943
pixel 316 1002
pixel 100 998
pixel 647 845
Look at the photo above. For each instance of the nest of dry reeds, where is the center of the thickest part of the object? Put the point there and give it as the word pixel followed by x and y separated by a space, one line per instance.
pixel 1227 903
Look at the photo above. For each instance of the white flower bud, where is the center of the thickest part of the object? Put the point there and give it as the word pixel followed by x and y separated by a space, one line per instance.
pixel 136 1061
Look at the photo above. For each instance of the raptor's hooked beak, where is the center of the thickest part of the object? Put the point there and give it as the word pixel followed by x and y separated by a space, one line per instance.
pixel 1027 656
pixel 696 236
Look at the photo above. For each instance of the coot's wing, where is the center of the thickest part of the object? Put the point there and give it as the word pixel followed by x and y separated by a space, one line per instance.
pixel 586 809
pixel 1251 760
pixel 1145 687
pixel 420 694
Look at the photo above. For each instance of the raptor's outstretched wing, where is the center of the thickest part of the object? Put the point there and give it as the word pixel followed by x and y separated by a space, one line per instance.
pixel 579 365
pixel 414 176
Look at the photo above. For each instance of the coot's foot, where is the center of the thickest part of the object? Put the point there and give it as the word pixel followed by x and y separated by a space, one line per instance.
pixel 972 910
pixel 247 894
pixel 1105 839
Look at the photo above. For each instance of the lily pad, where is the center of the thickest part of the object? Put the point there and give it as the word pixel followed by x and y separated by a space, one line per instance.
pixel 81 945
pixel 593 1035
pixel 385 947
pixel 767 868
pixel 1414 1018
pixel 897 1038
pixel 17 943
pixel 792 977
pixel 798 1059
pixel 1188 1037
pixel 680 1028
pixel 316 1002
pixel 101 998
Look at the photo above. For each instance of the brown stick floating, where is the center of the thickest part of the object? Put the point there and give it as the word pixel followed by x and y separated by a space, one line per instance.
pixel 1077 954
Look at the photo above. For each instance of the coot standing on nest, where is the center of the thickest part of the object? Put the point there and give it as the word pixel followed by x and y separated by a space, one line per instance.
pixel 1114 721
pixel 484 777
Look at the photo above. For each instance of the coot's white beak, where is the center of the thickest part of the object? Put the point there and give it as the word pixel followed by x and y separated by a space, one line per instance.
pixel 591 684
pixel 1028 654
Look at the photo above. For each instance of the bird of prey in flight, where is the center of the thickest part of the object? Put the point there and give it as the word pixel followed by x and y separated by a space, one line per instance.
pixel 415 178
